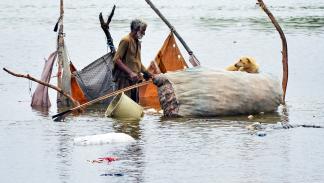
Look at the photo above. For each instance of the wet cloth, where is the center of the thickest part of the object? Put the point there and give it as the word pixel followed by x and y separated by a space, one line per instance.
pixel 204 92
pixel 40 96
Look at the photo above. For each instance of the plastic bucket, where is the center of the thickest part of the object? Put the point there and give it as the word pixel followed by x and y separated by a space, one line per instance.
pixel 124 107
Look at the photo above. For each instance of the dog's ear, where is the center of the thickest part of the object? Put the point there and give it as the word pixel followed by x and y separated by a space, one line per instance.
pixel 249 61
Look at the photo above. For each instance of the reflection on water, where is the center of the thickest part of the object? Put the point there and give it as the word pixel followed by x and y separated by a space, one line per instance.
pixel 133 153
pixel 281 115
pixel 64 153
pixel 41 111
pixel 284 114
pixel 128 126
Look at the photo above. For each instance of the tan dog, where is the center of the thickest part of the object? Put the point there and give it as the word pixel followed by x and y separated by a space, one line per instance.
pixel 247 64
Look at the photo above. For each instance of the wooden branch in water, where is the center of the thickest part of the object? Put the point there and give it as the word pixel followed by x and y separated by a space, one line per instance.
pixel 284 48
pixel 43 83
pixel 105 28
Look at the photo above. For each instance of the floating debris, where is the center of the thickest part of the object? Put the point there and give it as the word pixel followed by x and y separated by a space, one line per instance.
pixel 255 126
pixel 105 159
pixel 113 174
pixel 250 117
pixel 104 139
pixel 261 133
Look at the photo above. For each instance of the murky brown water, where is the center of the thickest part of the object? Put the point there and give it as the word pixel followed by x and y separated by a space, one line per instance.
pixel 33 148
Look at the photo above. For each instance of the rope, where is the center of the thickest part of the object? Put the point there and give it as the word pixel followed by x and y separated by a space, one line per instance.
pixel 30 87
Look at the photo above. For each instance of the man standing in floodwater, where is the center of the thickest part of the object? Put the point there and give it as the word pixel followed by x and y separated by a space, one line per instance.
pixel 128 66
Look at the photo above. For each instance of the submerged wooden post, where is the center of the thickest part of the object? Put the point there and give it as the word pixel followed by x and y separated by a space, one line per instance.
pixel 284 48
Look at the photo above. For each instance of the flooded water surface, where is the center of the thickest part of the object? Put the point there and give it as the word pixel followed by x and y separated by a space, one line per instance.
pixel 35 149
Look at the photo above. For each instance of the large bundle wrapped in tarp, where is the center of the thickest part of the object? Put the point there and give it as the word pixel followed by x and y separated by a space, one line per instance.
pixel 204 92
pixel 96 79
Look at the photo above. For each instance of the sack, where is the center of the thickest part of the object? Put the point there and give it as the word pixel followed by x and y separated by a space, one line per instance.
pixel 204 92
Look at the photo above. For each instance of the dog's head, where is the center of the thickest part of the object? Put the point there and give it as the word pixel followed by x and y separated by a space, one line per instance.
pixel 244 62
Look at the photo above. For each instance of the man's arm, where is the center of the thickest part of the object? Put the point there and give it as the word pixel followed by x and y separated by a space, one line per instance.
pixel 147 75
pixel 127 70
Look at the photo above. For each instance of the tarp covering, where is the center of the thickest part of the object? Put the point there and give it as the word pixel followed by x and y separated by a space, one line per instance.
pixel 96 79
pixel 40 96
pixel 203 92
pixel 169 58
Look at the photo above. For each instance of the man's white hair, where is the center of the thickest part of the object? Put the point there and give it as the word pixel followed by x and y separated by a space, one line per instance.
pixel 136 24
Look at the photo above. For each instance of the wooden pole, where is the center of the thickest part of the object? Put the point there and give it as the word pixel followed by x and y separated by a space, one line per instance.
pixel 27 76
pixel 61 17
pixel 62 101
pixel 284 51
pixel 60 33
pixel 61 8
pixel 190 52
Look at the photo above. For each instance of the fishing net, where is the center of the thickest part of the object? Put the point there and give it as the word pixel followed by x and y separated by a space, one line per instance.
pixel 203 92
pixel 96 79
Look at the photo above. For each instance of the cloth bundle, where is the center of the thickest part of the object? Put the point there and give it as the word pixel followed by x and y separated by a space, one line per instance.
pixel 204 92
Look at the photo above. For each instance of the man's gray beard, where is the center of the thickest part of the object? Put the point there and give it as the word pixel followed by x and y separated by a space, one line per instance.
pixel 139 36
